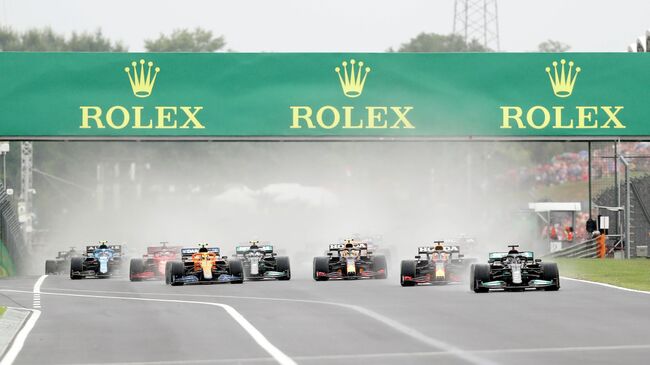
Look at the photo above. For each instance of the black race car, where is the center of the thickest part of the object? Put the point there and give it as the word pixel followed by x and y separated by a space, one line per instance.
pixel 61 263
pixel 99 261
pixel 514 271
pixel 350 260
pixel 260 262
pixel 203 265
pixel 441 264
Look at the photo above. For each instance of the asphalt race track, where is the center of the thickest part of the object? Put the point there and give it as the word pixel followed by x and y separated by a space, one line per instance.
pixel 114 321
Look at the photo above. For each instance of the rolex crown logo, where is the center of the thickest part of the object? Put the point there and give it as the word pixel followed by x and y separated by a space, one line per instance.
pixel 142 84
pixel 352 80
pixel 563 81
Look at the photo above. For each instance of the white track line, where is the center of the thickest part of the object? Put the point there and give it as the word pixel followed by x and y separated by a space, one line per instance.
pixel 18 342
pixel 257 336
pixel 394 355
pixel 37 292
pixel 445 347
pixel 606 285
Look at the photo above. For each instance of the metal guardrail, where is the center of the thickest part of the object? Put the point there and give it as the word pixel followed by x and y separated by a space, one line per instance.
pixel 585 249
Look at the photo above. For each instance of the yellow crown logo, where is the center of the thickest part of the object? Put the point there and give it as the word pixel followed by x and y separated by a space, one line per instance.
pixel 563 82
pixel 141 84
pixel 352 82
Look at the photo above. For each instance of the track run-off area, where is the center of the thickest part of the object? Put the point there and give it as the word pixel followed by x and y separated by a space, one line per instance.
pixel 114 321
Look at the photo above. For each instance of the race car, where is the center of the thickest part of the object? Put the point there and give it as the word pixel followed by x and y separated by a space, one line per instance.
pixel 514 271
pixel 203 265
pixel 350 260
pixel 152 264
pixel 99 261
pixel 260 262
pixel 441 264
pixel 61 263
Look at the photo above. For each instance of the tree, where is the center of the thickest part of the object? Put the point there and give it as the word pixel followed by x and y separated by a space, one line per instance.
pixel 552 46
pixel 432 42
pixel 46 40
pixel 183 40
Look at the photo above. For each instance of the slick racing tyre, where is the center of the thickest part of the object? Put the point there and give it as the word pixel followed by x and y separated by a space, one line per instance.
pixel 282 264
pixel 168 272
pixel 136 267
pixel 379 263
pixel 321 264
pixel 550 272
pixel 176 271
pixel 50 267
pixel 236 268
pixel 407 268
pixel 76 265
pixel 479 273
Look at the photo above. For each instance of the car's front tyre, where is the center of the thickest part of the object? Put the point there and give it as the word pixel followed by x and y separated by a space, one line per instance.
pixel 407 272
pixel 321 265
pixel 479 273
pixel 551 272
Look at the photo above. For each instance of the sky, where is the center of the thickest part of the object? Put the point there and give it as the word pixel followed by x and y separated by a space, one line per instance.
pixel 336 25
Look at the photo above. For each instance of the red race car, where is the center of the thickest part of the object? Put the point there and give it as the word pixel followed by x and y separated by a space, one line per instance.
pixel 152 264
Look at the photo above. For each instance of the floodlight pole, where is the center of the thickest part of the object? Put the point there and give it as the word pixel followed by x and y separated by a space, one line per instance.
pixel 627 207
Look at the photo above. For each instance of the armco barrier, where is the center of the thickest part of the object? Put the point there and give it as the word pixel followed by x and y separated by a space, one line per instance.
pixel 586 249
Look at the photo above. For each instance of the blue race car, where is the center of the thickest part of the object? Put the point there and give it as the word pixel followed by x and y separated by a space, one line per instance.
pixel 101 261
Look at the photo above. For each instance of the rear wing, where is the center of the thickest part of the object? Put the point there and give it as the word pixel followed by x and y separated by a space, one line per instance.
pixel 117 249
pixel 495 256
pixel 432 249
pixel 341 246
pixel 190 251
pixel 153 249
pixel 240 250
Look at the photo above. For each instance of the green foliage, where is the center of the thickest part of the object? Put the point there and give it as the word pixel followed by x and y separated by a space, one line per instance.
pixel 46 40
pixel 183 40
pixel 432 42
pixel 634 274
pixel 551 46
pixel 2 310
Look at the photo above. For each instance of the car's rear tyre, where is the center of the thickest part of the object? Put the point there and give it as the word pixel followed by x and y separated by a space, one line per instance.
pixel 236 268
pixel 282 264
pixel 321 264
pixel 479 273
pixel 76 265
pixel 551 272
pixel 136 266
pixel 378 264
pixel 407 268
pixel 51 267
pixel 176 271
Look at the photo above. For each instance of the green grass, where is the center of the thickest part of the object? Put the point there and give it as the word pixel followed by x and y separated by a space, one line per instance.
pixel 2 310
pixel 633 274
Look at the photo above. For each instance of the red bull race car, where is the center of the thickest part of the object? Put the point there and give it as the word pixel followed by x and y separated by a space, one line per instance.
pixel 152 264
pixel 439 264
pixel 203 265
pixel 350 260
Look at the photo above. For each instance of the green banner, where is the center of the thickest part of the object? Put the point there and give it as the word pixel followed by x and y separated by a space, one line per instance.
pixel 6 263
pixel 324 95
